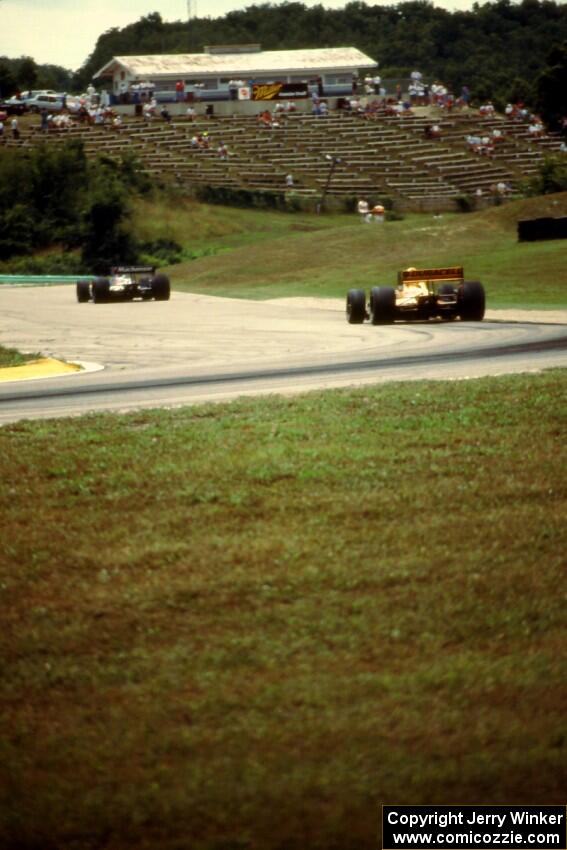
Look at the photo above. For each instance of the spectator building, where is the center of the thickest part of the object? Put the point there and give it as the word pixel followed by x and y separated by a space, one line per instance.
pixel 236 72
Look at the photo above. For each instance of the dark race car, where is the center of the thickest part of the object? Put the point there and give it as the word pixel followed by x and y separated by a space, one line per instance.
pixel 440 293
pixel 125 283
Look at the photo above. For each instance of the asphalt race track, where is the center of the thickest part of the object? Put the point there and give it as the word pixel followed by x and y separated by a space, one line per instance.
pixel 197 348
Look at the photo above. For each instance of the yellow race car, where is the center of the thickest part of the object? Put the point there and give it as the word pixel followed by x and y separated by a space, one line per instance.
pixel 440 293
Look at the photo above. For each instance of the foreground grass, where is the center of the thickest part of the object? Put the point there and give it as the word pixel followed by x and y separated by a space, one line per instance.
pixel 13 357
pixel 247 626
pixel 250 254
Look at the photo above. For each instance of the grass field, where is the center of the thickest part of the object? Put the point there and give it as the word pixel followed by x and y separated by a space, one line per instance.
pixel 251 254
pixel 245 627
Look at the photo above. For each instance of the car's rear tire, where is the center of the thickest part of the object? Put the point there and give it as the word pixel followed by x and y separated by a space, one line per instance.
pixel 382 305
pixel 161 288
pixel 356 306
pixel 83 291
pixel 472 301
pixel 101 290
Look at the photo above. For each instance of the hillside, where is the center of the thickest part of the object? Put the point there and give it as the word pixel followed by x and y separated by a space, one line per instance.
pixel 255 255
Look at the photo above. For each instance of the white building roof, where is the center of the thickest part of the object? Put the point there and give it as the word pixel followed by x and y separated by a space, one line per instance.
pixel 239 64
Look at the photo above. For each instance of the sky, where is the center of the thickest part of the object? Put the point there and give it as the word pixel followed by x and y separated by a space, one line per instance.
pixel 64 32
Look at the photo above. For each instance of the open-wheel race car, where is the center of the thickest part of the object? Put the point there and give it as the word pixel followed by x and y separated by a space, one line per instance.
pixel 125 283
pixel 420 294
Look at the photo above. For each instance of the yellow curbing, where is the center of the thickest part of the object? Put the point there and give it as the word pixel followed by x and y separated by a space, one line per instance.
pixel 47 367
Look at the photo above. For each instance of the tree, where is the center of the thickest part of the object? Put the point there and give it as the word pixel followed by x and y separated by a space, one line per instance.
pixel 106 240
pixel 8 82
pixel 27 72
pixel 551 87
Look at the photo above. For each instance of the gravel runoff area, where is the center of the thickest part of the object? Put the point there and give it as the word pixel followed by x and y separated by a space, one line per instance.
pixel 204 331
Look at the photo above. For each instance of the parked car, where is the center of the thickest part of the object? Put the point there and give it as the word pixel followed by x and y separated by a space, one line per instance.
pixel 51 102
pixel 12 107
pixel 440 293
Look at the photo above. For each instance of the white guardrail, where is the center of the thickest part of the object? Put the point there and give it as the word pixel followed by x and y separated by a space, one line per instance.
pixel 41 279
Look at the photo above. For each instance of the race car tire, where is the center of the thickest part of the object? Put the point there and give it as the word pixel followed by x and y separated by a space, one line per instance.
pixel 382 305
pixel 161 288
pixel 83 291
pixel 472 301
pixel 356 306
pixel 101 290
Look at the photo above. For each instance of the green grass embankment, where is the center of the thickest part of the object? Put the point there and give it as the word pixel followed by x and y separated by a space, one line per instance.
pixel 249 625
pixel 250 254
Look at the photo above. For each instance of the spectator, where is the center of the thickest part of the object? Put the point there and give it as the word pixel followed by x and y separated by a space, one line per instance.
pixel 165 115
pixel 536 128
pixel 363 210
pixel 378 212
pixel 15 129
pixel 289 181
pixel 222 151
pixel 1 131
pixel 233 90
pixel 191 113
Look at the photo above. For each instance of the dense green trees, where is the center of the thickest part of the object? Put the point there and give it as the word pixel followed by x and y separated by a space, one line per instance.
pixel 551 87
pixel 24 73
pixel 53 196
pixel 41 195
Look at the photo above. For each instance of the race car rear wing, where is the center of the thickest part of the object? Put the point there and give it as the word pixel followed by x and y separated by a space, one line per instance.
pixel 133 269
pixel 449 273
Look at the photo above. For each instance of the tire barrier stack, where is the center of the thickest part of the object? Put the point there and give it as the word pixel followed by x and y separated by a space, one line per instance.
pixel 536 229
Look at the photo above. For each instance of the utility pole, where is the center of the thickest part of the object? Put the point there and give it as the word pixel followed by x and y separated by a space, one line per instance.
pixel 333 162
